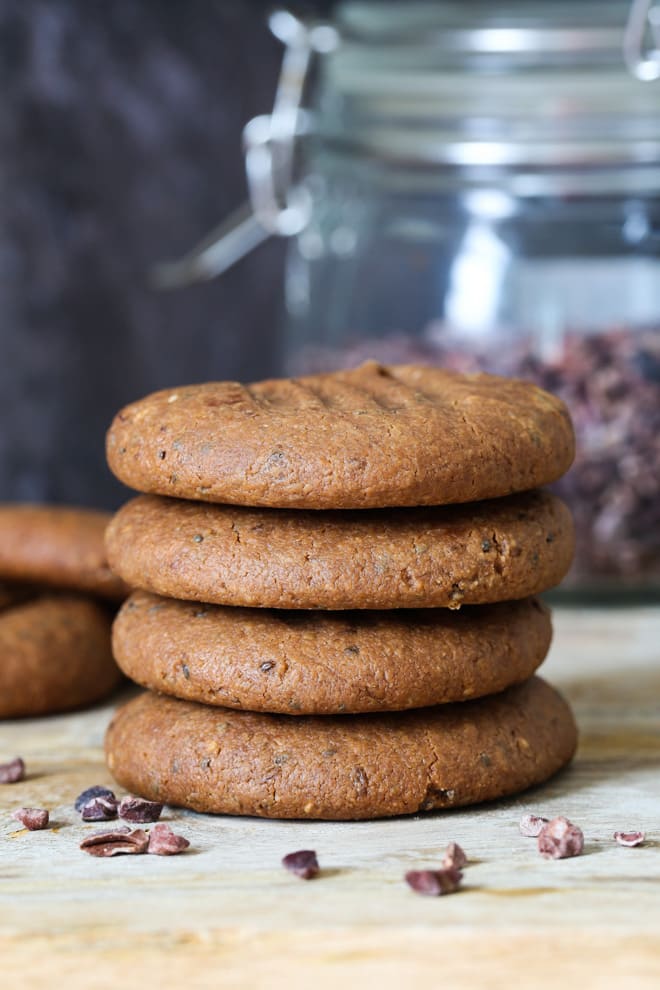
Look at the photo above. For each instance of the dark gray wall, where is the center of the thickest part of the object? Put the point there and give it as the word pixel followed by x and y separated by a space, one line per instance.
pixel 120 128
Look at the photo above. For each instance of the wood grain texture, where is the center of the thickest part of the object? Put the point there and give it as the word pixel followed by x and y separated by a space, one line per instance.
pixel 225 914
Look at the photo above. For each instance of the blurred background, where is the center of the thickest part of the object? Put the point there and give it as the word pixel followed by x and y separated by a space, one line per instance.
pixel 120 145
pixel 474 184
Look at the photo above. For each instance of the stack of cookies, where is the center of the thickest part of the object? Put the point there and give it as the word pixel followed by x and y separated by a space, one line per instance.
pixel 55 588
pixel 336 615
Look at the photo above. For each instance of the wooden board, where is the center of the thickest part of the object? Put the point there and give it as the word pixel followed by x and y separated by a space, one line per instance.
pixel 226 915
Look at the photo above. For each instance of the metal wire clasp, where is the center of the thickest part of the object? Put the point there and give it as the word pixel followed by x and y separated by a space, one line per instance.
pixel 276 205
pixel 641 40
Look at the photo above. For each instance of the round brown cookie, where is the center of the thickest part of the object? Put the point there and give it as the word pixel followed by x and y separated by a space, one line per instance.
pixel 59 547
pixel 325 663
pixel 398 558
pixel 54 655
pixel 370 437
pixel 340 767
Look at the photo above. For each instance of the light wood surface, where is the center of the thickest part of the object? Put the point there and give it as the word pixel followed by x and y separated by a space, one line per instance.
pixel 226 914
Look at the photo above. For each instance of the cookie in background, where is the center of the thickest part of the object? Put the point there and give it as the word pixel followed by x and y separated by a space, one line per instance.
pixel 56 598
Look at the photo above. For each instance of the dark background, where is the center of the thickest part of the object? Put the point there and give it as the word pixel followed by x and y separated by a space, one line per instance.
pixel 120 145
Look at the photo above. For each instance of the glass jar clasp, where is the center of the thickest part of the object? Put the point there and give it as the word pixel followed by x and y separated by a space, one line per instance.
pixel 276 204
pixel 641 40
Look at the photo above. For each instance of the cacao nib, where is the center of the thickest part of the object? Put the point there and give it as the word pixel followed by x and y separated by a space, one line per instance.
pixel 629 838
pixel 454 857
pixel 137 809
pixel 163 842
pixel 118 842
pixel 99 809
pixel 434 883
pixel 303 863
pixel 92 792
pixel 12 772
pixel 33 819
pixel 532 825
pixel 560 839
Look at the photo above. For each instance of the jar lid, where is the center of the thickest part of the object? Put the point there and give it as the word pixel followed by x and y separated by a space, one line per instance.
pixel 515 28
pixel 476 84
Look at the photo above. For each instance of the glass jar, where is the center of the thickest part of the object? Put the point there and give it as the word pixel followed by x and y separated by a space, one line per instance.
pixel 485 195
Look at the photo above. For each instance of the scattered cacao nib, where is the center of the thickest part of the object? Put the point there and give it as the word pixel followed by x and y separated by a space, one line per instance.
pixel 454 857
pixel 99 809
pixel 137 809
pixel 12 772
pixel 33 819
pixel 119 842
pixel 303 863
pixel 163 841
pixel 93 792
pixel 560 839
pixel 629 838
pixel 434 883
pixel 531 825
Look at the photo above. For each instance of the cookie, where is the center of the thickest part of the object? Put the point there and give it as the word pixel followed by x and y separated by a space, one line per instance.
pixel 59 547
pixel 340 767
pixel 371 437
pixel 380 559
pixel 325 663
pixel 54 655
